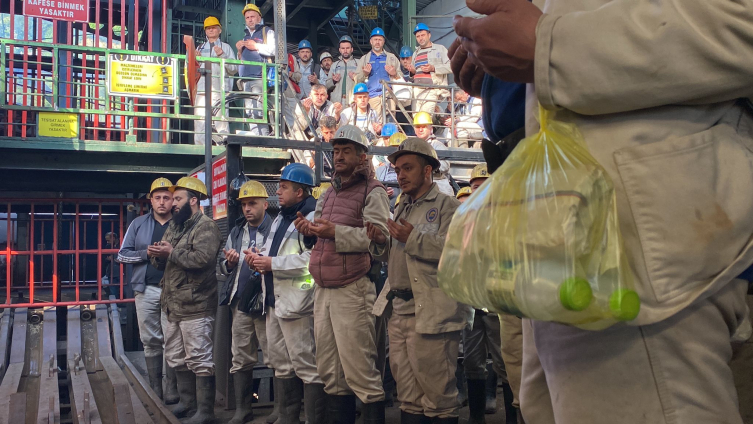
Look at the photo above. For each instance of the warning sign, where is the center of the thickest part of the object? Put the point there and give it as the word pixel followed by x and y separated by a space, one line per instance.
pixel 53 124
pixel 64 10
pixel 143 76
pixel 368 12
pixel 219 188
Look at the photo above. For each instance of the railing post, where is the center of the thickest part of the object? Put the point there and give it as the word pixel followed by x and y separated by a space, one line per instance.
pixel 207 71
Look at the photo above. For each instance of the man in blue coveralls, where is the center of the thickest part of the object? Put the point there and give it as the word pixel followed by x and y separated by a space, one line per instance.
pixel 375 66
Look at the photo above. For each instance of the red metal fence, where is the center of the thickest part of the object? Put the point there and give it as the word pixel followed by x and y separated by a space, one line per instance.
pixel 55 252
pixel 112 25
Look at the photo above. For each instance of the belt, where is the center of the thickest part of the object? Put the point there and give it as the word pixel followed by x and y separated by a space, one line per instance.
pixel 404 294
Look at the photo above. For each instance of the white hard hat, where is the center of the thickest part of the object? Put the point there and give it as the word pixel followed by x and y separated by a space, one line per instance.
pixel 323 56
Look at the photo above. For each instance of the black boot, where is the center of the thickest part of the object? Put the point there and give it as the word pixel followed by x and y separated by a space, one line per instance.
pixel 154 370
pixel 491 392
pixel 461 383
pixel 186 381
pixel 314 403
pixel 290 402
pixel 341 409
pixel 452 420
pixel 408 418
pixel 205 393
pixel 511 416
pixel 171 387
pixel 277 388
pixel 476 401
pixel 243 382
pixel 373 413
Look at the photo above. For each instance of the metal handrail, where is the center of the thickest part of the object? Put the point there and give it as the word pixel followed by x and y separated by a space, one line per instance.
pixel 74 87
pixel 388 91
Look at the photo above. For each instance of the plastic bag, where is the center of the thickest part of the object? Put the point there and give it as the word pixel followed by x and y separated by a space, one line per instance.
pixel 540 238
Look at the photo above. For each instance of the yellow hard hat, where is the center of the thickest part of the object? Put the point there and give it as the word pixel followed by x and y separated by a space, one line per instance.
pixel 422 118
pixel 211 21
pixel 318 191
pixel 465 191
pixel 252 189
pixel 193 184
pixel 397 138
pixel 160 184
pixel 479 171
pixel 253 7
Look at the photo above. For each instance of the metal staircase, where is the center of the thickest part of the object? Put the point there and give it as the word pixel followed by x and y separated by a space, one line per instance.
pixel 388 18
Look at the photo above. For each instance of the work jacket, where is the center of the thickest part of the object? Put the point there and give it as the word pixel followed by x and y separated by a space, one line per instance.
pixel 133 251
pixel 294 286
pixel 656 101
pixel 235 241
pixel 189 285
pixel 339 93
pixel 430 216
pixel 438 57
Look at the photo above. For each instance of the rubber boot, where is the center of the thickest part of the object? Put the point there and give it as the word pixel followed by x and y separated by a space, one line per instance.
pixel 277 388
pixel 491 393
pixel 408 418
pixel 462 388
pixel 476 401
pixel 451 420
pixel 205 392
pixel 186 381
pixel 314 403
pixel 373 413
pixel 290 402
pixel 341 409
pixel 243 382
pixel 171 387
pixel 154 370
pixel 511 415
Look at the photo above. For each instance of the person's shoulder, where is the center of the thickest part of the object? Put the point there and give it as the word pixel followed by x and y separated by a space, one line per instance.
pixel 141 220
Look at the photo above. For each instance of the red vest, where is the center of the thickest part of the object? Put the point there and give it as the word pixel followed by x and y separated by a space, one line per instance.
pixel 343 206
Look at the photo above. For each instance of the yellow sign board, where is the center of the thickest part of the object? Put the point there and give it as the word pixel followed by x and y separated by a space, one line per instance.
pixel 54 124
pixel 142 76
pixel 368 12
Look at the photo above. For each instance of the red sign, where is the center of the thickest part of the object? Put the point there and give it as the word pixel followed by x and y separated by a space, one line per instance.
pixel 64 10
pixel 219 188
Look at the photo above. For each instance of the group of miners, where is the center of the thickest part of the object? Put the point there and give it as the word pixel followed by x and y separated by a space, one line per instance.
pixel 307 289
pixel 348 90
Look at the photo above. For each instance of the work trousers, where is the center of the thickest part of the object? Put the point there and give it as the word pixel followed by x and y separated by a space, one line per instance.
pixel 255 107
pixel 425 99
pixel 424 368
pixel 512 352
pixel 249 333
pixel 222 127
pixel 292 351
pixel 675 371
pixel 345 337
pixel 149 316
pixel 188 344
pixel 480 341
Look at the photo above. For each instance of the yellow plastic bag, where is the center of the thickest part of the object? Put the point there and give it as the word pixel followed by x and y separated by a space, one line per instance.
pixel 540 237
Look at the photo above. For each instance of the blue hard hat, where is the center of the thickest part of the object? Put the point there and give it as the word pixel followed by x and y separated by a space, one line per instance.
pixel 389 129
pixel 421 27
pixel 298 173
pixel 360 88
pixel 377 31
pixel 304 45
pixel 405 51
pixel 346 38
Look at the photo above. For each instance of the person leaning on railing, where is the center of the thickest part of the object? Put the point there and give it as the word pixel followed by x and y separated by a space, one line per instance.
pixel 257 45
pixel 213 47
pixel 430 67
pixel 465 122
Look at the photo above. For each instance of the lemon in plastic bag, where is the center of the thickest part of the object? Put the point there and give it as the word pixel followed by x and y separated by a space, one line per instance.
pixel 540 237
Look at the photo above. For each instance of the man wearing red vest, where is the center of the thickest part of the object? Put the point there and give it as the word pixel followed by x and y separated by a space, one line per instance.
pixel 344 296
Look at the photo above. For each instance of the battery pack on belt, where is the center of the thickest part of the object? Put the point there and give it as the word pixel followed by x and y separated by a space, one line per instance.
pixel 404 294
